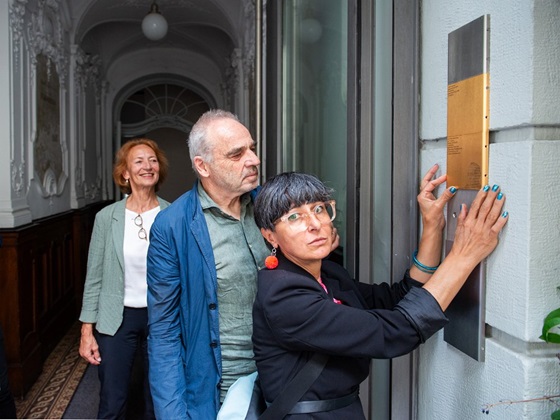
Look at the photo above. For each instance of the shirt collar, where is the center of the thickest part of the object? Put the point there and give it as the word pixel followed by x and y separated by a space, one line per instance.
pixel 208 204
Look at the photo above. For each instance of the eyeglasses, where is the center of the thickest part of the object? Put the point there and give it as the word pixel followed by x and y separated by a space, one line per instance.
pixel 298 221
pixel 142 234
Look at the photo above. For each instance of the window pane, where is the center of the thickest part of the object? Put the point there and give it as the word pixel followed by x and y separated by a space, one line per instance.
pixel 314 84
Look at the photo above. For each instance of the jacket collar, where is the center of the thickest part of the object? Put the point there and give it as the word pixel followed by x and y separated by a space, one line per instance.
pixel 334 276
pixel 118 229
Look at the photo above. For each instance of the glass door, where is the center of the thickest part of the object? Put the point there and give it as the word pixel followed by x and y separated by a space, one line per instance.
pixel 314 104
pixel 341 103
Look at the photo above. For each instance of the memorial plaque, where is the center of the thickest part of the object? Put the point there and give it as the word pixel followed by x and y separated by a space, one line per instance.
pixel 468 92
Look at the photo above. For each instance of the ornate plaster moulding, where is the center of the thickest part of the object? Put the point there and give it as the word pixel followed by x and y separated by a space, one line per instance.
pixel 50 187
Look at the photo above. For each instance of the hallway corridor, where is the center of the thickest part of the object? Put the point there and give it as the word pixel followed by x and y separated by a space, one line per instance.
pixel 68 388
pixel 51 394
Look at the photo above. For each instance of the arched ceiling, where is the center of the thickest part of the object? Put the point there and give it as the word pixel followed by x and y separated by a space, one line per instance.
pixel 200 31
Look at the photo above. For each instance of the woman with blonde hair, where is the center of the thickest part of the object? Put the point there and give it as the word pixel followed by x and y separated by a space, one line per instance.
pixel 115 290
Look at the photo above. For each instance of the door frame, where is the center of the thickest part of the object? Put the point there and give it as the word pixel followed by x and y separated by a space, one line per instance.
pixel 400 374
pixel 406 144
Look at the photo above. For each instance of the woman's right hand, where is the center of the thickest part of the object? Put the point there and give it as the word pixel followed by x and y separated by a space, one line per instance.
pixel 476 236
pixel 89 350
pixel 477 230
pixel 431 208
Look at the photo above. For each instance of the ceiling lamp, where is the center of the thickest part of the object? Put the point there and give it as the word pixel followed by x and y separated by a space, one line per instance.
pixel 311 30
pixel 154 24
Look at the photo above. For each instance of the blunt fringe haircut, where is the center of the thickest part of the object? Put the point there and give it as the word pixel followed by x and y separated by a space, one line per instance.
pixel 283 192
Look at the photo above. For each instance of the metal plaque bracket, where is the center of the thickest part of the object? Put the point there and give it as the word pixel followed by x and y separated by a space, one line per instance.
pixel 467 169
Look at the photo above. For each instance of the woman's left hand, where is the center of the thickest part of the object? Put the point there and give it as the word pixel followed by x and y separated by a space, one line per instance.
pixel 431 208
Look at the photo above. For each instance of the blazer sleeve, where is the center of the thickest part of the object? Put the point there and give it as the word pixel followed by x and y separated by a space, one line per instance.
pixel 386 296
pixel 303 318
pixel 165 350
pixel 94 273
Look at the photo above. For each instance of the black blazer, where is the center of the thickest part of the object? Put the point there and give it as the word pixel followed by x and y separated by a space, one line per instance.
pixel 293 317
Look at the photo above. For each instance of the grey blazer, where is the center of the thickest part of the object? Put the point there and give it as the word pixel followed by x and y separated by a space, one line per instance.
pixel 103 300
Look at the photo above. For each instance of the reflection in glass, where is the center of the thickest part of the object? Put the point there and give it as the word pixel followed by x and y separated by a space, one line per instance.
pixel 314 94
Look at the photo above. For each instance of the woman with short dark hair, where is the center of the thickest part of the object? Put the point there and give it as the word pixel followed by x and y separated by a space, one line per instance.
pixel 307 305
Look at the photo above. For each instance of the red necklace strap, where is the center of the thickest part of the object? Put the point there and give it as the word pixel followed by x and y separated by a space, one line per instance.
pixel 326 291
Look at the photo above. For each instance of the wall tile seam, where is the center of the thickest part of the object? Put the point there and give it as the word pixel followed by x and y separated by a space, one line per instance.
pixel 518 133
pixel 525 132
pixel 432 144
pixel 532 349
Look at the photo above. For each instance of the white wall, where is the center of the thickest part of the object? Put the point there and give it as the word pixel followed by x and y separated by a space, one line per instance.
pixel 13 206
pixel 522 274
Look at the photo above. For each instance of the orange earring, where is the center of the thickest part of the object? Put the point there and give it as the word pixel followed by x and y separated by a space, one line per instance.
pixel 271 262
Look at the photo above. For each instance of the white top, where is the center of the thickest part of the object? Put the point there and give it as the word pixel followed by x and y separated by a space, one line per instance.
pixel 135 252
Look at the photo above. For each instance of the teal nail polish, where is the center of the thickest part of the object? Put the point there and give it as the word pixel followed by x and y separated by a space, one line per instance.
pixel 505 214
pixel 486 188
pixel 452 190
pixel 495 187
pixel 500 195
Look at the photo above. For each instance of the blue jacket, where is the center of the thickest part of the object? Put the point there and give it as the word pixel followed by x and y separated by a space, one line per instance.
pixel 184 340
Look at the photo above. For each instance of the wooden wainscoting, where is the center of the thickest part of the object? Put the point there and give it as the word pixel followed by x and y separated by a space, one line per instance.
pixel 42 268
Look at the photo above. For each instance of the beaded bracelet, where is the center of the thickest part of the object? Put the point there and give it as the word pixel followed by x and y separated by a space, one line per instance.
pixel 422 267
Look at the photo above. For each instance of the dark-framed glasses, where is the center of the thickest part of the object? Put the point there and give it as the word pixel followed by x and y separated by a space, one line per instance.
pixel 298 220
pixel 142 234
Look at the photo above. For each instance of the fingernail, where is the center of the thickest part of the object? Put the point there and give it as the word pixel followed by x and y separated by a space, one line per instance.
pixel 505 214
pixel 500 195
pixel 486 188
pixel 495 187
pixel 452 190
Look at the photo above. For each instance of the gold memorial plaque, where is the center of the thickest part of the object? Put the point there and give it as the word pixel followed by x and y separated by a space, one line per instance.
pixel 467 132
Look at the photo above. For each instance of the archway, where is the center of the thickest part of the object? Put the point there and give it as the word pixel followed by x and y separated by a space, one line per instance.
pixel 164 112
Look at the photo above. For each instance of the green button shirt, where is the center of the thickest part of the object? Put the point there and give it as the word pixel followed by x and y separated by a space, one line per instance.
pixel 239 252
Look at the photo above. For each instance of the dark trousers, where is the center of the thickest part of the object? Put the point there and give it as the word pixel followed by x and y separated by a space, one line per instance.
pixel 118 353
pixel 7 405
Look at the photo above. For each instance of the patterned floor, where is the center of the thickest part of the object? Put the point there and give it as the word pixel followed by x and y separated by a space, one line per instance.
pixel 62 372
